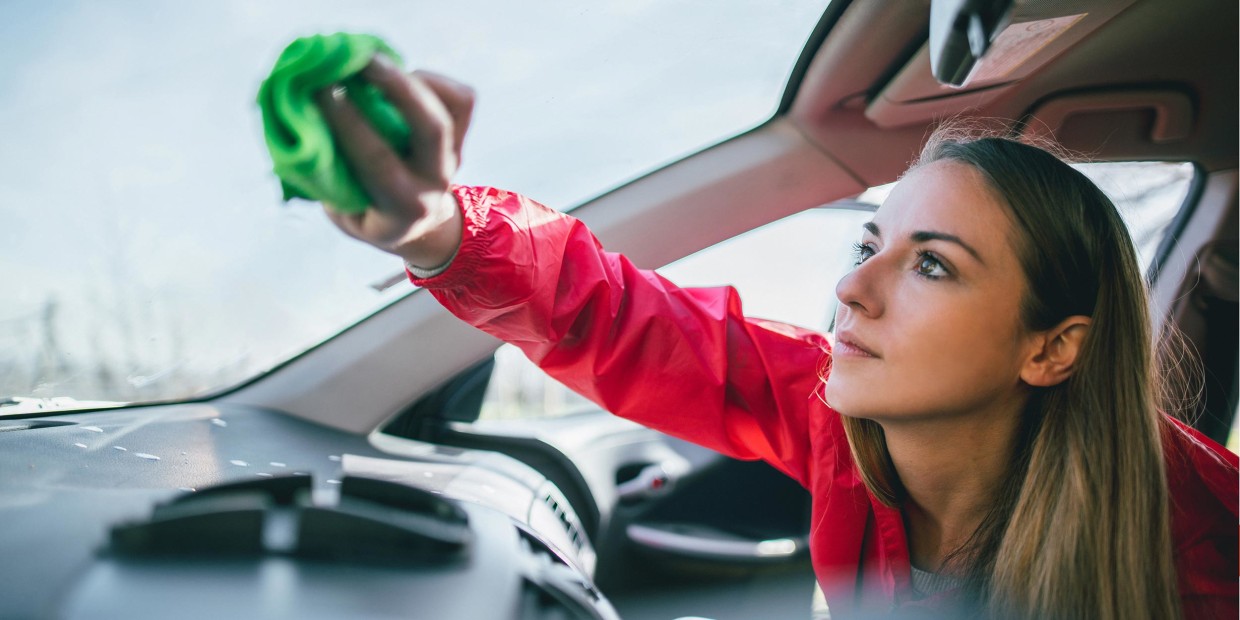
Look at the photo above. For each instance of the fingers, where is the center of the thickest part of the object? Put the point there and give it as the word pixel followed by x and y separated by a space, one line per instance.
pixel 457 97
pixel 347 222
pixel 376 165
pixel 431 124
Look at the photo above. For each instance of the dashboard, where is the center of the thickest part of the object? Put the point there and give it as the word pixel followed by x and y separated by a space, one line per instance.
pixel 214 510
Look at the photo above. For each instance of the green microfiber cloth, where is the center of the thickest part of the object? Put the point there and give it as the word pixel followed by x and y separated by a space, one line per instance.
pixel 303 152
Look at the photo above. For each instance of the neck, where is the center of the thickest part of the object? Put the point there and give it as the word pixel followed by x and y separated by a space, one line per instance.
pixel 950 491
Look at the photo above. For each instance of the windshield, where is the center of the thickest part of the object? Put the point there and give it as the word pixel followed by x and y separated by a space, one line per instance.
pixel 146 253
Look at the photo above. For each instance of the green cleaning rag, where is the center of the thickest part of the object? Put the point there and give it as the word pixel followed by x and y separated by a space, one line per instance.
pixel 303 153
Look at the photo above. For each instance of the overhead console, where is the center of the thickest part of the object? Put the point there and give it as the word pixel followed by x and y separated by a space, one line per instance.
pixel 980 49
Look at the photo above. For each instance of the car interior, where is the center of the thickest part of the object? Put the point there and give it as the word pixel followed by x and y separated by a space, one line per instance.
pixel 361 479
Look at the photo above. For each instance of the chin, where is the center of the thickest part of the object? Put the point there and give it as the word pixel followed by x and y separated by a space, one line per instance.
pixel 839 397
pixel 855 399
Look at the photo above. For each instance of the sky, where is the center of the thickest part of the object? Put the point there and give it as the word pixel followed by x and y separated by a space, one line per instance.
pixel 144 250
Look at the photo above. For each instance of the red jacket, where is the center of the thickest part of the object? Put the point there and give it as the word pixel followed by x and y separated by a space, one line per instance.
pixel 687 362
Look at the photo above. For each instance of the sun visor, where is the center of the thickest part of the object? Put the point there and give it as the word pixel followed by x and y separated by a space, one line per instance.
pixel 1031 34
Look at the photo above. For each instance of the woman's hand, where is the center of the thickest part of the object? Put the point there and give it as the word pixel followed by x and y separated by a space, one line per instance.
pixel 414 216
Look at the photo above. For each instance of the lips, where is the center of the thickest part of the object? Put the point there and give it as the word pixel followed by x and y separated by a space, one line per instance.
pixel 847 344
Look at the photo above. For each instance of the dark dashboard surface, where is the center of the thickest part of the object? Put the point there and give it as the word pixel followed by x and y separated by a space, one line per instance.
pixel 70 479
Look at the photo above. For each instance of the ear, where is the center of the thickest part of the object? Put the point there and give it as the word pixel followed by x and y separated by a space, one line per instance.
pixel 1053 353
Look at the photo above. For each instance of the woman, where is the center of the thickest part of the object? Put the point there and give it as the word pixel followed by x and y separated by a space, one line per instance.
pixel 983 433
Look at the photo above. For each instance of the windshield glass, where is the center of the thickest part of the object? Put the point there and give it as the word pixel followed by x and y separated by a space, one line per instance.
pixel 146 253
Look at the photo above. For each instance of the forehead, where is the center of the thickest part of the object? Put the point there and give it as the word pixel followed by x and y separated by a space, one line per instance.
pixel 946 197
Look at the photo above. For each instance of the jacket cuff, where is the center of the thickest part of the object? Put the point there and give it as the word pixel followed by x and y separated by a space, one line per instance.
pixel 475 238
pixel 421 273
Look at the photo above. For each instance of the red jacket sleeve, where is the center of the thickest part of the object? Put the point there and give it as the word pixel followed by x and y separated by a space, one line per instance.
pixel 684 361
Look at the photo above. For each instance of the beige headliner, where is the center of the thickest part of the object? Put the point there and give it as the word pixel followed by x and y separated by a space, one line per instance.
pixel 1188 47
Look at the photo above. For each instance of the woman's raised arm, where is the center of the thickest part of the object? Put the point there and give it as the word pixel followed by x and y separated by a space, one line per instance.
pixel 683 361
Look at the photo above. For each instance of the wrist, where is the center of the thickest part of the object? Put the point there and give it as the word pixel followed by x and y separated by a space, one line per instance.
pixel 434 249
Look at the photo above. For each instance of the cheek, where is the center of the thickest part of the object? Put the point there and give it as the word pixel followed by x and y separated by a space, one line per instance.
pixel 937 358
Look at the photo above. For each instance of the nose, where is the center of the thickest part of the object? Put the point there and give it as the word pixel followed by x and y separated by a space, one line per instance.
pixel 858 290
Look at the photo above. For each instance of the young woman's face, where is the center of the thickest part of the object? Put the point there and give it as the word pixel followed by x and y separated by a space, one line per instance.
pixel 929 321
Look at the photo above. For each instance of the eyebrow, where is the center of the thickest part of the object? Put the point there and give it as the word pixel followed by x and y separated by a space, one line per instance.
pixel 922 236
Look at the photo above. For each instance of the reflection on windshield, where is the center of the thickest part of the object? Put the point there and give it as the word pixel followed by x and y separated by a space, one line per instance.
pixel 146 255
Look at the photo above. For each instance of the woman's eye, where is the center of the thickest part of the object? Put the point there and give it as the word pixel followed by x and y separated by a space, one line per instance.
pixel 861 252
pixel 929 266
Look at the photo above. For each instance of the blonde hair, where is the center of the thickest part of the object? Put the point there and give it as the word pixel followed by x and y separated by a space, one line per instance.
pixel 1081 527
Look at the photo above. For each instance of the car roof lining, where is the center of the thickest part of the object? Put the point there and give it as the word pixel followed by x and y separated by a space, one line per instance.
pixel 1130 52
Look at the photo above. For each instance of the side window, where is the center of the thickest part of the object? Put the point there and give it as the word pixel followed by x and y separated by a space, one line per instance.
pixel 787 271
pixel 1148 196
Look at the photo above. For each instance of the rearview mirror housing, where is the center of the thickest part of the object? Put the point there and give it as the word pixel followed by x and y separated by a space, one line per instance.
pixel 960 33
